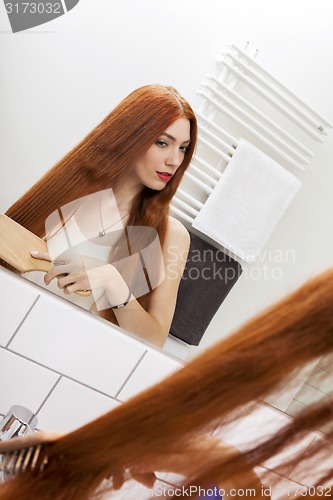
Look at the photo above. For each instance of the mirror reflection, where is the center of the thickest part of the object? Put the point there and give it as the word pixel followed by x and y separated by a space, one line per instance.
pixel 101 206
pixel 122 175
pixel 204 285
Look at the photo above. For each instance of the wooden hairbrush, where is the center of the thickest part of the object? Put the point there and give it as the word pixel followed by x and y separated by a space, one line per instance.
pixel 16 243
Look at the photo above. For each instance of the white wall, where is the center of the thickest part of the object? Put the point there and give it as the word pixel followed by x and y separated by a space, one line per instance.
pixel 60 79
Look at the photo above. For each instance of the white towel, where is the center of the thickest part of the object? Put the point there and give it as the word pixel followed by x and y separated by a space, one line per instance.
pixel 247 202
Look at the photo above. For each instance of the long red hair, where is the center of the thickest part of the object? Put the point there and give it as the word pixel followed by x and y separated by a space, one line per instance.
pixel 106 156
pixel 241 369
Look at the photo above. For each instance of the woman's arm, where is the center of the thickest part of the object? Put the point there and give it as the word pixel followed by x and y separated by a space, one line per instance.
pixel 81 273
pixel 154 324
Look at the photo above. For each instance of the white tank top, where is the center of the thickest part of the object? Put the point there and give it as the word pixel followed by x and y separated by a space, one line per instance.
pixel 71 237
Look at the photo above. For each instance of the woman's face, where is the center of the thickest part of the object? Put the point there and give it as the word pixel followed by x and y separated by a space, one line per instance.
pixel 161 161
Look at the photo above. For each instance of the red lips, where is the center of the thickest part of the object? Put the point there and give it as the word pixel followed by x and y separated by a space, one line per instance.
pixel 164 176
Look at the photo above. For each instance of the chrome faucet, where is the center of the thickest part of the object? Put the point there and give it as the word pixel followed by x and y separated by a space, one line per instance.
pixel 17 422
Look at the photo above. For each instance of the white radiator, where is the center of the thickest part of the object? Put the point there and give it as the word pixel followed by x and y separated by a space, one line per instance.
pixel 245 101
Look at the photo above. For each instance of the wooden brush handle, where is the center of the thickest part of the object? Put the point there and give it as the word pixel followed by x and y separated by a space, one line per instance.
pixel 16 243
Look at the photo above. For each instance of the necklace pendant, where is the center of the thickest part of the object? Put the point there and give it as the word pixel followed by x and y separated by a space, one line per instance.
pixel 102 233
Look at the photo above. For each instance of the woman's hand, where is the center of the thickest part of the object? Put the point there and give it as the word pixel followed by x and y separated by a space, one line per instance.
pixel 75 272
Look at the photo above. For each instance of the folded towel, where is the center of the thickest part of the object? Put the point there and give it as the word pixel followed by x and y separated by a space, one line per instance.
pixel 247 202
pixel 208 277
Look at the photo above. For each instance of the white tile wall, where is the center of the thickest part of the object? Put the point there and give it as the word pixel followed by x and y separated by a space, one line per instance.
pixel 15 303
pixel 326 383
pixel 75 343
pixel 71 405
pixel 308 394
pixel 70 367
pixel 171 478
pixel 326 363
pixel 313 472
pixel 278 486
pixel 317 385
pixel 64 363
pixel 295 407
pixel 152 369
pixel 132 490
pixel 258 425
pixel 282 398
pixel 23 382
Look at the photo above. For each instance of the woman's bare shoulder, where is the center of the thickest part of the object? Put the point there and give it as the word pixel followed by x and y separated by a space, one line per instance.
pixel 177 233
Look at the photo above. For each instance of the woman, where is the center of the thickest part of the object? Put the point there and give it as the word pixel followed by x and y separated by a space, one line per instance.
pixel 132 161
pixel 165 428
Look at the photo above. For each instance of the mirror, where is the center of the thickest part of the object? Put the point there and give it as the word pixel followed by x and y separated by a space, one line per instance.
pixel 59 86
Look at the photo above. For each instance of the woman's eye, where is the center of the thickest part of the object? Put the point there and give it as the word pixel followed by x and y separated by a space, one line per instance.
pixel 184 149
pixel 161 143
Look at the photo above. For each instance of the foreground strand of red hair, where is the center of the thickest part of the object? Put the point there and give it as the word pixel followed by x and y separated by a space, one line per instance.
pixel 239 370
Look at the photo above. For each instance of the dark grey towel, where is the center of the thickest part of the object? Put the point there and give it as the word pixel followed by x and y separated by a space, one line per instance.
pixel 208 277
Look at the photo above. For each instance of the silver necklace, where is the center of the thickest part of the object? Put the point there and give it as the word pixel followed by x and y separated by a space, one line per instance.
pixel 105 229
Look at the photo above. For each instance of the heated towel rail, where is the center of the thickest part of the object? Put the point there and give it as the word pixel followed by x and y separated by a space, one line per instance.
pixel 245 101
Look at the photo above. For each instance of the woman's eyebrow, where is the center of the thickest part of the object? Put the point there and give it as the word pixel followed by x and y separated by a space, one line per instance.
pixel 173 138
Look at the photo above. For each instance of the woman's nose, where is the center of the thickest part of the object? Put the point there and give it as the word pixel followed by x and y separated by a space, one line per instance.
pixel 174 158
